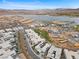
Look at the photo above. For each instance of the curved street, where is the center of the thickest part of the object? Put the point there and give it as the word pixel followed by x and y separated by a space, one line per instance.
pixel 30 50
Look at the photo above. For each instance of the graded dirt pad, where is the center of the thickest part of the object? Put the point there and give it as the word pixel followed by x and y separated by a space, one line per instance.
pixel 62 41
pixel 21 55
pixel 8 21
pixel 64 45
pixel 22 45
pixel 13 21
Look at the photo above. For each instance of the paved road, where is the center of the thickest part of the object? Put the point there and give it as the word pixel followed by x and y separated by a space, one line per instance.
pixel 30 50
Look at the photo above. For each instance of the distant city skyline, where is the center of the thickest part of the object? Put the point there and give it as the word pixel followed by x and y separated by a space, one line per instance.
pixel 38 4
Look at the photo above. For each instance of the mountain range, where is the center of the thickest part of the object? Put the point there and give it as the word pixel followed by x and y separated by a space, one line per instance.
pixel 52 12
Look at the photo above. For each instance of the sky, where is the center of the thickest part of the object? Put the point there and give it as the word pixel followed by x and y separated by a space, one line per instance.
pixel 38 4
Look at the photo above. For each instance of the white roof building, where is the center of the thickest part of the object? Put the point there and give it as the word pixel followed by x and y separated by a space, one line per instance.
pixel 47 45
pixel 5 46
pixel 5 51
pixel 71 54
pixel 15 29
pixel 54 53
pixel 8 30
pixel 43 49
pixel 34 38
pixel 1 31
pixel 20 28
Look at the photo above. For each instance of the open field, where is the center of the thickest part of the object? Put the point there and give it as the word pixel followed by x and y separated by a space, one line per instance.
pixel 44 34
pixel 76 27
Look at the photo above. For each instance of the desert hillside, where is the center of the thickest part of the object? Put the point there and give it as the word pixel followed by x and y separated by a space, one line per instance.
pixel 52 12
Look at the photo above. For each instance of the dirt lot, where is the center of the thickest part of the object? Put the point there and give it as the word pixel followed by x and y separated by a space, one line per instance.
pixel 21 44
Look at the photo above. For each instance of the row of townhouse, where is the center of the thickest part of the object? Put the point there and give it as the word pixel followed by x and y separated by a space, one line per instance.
pixel 43 49
pixel 11 29
pixel 7 49
pixel 33 37
pixel 8 45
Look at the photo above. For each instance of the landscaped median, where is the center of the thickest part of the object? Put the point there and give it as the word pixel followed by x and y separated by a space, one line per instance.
pixel 76 27
pixel 44 34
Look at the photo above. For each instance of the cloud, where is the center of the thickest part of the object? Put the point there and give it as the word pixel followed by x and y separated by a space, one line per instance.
pixel 30 5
